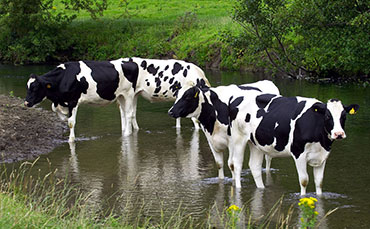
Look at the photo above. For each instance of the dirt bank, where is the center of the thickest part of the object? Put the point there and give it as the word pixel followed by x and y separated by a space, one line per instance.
pixel 26 133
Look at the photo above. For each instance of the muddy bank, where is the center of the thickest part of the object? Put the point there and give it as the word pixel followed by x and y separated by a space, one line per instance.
pixel 26 133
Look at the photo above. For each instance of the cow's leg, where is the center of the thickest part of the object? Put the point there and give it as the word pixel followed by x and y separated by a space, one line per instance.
pixel 71 124
pixel 178 123
pixel 196 123
pixel 129 114
pixel 134 121
pixel 318 173
pixel 219 158
pixel 236 149
pixel 268 163
pixel 255 164
pixel 121 102
pixel 301 166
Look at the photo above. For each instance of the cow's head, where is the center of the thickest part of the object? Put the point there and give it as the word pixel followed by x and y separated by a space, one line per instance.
pixel 188 103
pixel 334 114
pixel 36 91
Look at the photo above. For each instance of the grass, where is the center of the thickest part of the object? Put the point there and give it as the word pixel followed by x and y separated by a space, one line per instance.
pixel 46 201
pixel 187 30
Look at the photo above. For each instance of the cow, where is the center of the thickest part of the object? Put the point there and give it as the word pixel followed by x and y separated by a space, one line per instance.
pixel 102 82
pixel 211 106
pixel 297 127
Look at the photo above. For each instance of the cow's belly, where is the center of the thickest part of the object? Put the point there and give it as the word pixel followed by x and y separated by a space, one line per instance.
pixel 272 152
pixel 93 98
pixel 156 97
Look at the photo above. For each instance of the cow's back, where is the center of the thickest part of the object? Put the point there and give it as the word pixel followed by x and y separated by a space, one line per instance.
pixel 162 79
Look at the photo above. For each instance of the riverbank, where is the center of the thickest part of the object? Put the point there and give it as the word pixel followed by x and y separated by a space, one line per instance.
pixel 26 133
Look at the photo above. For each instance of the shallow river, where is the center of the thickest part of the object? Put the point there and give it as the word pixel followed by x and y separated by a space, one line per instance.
pixel 163 167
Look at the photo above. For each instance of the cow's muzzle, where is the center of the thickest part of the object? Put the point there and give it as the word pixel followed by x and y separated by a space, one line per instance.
pixel 27 104
pixel 172 114
pixel 339 135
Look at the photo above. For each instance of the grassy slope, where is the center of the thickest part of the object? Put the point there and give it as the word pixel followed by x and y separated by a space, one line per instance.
pixel 153 29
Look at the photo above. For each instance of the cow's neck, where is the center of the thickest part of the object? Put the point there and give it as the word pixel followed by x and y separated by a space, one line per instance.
pixel 207 117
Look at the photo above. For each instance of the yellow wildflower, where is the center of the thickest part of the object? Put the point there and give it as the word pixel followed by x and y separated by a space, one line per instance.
pixel 352 111
pixel 316 213
pixel 54 8
pixel 233 208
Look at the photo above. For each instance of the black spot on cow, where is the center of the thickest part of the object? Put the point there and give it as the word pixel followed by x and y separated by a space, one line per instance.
pixel 143 64
pixel 175 87
pixel 166 68
pixel 262 101
pixel 185 73
pixel 201 83
pixel 188 67
pixel 311 127
pixel 248 117
pixel 233 111
pixel 152 70
pixel 249 88
pixel 207 116
pixel 176 68
pixel 131 72
pixel 147 84
pixel 158 89
pixel 160 74
pixel 106 77
pixel 157 82
pixel 275 123
pixel 221 108
pixel 171 80
pixel 252 139
pixel 165 92
pixel 165 78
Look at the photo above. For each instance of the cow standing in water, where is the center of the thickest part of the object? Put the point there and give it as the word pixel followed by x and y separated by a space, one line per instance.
pixel 212 107
pixel 298 127
pixel 102 82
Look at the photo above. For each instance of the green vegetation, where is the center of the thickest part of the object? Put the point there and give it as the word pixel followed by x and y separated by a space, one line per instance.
pixel 318 38
pixel 47 201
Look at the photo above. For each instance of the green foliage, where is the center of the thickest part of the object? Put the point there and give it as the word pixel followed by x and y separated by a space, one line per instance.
pixel 318 37
pixel 33 30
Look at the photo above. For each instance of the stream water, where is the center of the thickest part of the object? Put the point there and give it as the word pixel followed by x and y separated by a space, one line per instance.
pixel 163 167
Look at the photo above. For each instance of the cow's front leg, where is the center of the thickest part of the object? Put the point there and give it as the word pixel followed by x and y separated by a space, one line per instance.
pixel 318 173
pixel 255 164
pixel 268 163
pixel 236 151
pixel 178 123
pixel 301 166
pixel 71 124
pixel 196 123
pixel 219 158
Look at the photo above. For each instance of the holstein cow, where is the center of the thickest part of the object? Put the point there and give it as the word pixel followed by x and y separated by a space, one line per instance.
pixel 102 82
pixel 303 128
pixel 215 108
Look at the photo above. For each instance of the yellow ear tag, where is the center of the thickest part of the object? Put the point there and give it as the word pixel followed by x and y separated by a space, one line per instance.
pixel 316 110
pixel 352 111
pixel 48 86
pixel 196 94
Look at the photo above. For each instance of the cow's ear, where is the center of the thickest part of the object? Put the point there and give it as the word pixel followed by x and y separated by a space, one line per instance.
pixel 33 76
pixel 351 109
pixel 319 108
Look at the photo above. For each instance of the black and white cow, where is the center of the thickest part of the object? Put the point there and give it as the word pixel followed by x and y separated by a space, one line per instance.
pixel 102 82
pixel 303 128
pixel 215 109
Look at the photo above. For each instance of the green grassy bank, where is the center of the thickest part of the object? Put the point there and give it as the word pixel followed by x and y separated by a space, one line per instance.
pixel 188 30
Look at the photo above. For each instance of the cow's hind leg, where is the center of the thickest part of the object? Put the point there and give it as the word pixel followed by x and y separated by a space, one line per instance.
pixel 255 164
pixel 71 124
pixel 318 173
pixel 236 150
pixel 134 121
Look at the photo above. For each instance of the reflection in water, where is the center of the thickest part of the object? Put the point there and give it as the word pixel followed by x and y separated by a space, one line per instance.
pixel 90 182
